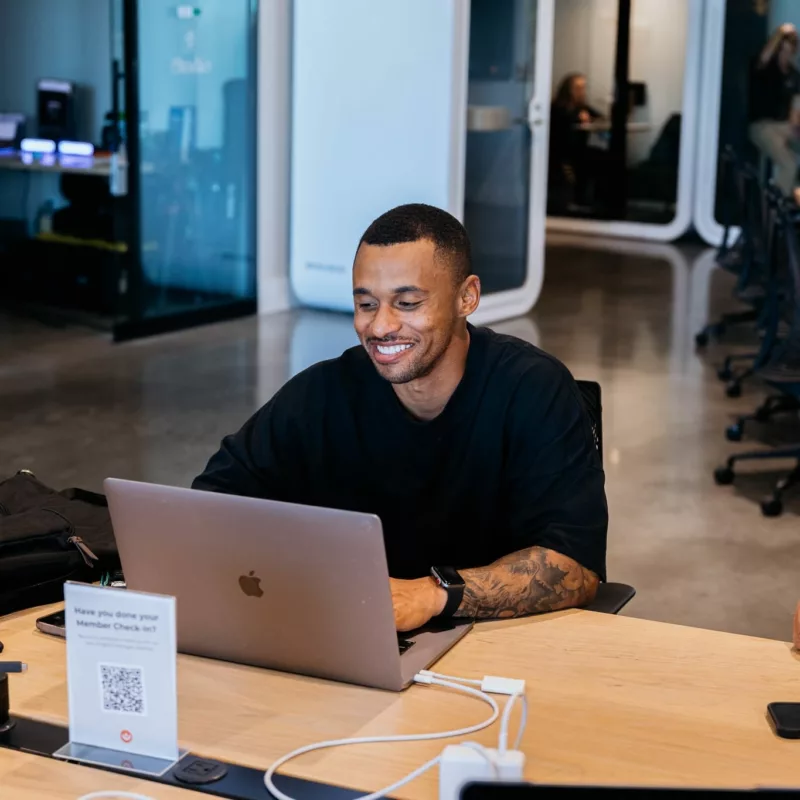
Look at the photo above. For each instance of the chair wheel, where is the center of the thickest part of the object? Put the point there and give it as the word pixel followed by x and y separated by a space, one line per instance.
pixel 733 390
pixel 701 339
pixel 724 373
pixel 772 507
pixel 733 433
pixel 723 476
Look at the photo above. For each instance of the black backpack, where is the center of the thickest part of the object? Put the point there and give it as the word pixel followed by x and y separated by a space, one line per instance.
pixel 48 537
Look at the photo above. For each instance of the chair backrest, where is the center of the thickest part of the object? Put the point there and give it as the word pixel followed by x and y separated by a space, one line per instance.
pixel 789 216
pixel 790 220
pixel 729 168
pixel 592 397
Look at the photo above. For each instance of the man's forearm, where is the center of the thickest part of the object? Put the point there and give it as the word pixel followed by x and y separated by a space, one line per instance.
pixel 526 582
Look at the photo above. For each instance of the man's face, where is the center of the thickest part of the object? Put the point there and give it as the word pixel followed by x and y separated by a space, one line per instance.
pixel 406 307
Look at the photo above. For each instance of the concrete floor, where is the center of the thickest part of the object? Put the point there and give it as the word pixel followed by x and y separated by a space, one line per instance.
pixel 75 409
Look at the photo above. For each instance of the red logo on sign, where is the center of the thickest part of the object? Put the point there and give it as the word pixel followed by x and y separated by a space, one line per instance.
pixel 126 736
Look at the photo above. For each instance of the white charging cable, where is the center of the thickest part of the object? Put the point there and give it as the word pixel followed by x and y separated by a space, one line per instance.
pixel 500 685
pixel 502 744
pixel 424 678
pixel 109 794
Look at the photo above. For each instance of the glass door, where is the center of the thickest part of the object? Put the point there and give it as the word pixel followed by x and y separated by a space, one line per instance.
pixel 510 47
pixel 735 33
pixel 624 94
pixel 190 106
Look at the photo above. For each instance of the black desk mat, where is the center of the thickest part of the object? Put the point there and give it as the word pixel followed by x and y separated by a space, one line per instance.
pixel 239 783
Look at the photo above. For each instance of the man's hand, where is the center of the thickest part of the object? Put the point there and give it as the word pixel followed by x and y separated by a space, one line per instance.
pixel 415 602
pixel 584 117
pixel 797 627
pixel 787 29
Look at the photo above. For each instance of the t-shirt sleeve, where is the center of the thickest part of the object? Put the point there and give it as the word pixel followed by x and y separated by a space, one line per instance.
pixel 555 477
pixel 258 460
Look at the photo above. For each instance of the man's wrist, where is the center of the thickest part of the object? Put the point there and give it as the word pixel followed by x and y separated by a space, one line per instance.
pixel 438 598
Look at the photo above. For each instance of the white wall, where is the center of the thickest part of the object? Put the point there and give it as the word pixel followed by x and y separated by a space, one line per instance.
pixel 68 39
pixel 781 11
pixel 375 106
pixel 274 124
pixel 585 41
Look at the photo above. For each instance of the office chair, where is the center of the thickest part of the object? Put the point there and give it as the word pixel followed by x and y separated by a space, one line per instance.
pixel 781 370
pixel 763 285
pixel 611 597
pixel 745 257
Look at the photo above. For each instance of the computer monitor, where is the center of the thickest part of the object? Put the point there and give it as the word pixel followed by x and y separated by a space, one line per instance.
pixel 56 107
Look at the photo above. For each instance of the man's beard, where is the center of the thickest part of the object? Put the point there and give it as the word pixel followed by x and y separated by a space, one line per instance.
pixel 416 369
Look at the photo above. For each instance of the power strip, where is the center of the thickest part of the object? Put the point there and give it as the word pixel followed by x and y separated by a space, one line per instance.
pixel 461 764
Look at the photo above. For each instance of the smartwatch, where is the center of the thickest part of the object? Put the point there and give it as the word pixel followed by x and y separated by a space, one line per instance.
pixel 453 584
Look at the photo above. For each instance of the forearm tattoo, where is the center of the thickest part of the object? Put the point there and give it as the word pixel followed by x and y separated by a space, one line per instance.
pixel 527 582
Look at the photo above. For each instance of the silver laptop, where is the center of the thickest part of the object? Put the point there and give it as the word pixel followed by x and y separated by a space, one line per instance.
pixel 289 587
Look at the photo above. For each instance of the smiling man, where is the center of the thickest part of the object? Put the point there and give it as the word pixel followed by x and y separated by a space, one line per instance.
pixel 473 448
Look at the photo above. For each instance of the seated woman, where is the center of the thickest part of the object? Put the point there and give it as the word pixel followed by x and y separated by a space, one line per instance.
pixel 573 163
pixel 774 115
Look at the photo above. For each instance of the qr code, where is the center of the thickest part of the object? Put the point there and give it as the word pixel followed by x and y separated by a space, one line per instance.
pixel 122 688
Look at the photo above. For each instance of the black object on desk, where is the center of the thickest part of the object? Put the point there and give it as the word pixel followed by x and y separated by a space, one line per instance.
pixel 785 718
pixel 530 791
pixel 6 723
pixel 229 780
pixel 5 720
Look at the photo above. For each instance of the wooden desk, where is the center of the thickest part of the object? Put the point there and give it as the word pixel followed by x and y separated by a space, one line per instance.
pixel 603 125
pixel 27 777
pixel 611 700
pixel 99 165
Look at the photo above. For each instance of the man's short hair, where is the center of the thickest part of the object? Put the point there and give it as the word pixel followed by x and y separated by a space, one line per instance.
pixel 415 221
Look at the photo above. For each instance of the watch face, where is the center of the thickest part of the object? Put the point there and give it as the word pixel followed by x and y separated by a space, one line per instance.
pixel 448 576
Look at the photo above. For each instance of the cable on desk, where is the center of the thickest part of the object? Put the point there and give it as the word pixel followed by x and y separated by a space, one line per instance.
pixel 110 794
pixel 410 737
pixel 505 720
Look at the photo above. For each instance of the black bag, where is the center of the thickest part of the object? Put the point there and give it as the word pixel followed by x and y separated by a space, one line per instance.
pixel 48 537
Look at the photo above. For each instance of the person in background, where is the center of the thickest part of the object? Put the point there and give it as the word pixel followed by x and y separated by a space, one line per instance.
pixel 774 113
pixel 572 161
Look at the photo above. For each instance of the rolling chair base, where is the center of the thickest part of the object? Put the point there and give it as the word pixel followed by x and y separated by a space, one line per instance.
pixel 771 506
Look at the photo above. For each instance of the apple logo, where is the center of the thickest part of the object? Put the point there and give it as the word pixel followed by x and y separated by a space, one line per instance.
pixel 251 585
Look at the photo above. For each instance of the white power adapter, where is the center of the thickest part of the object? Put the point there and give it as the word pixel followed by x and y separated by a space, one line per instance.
pixel 461 764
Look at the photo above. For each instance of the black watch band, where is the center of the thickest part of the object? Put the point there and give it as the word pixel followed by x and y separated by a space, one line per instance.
pixel 449 579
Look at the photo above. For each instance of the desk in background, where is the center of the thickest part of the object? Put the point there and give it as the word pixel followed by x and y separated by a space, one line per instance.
pixel 611 700
pixel 603 125
pixel 81 270
pixel 77 165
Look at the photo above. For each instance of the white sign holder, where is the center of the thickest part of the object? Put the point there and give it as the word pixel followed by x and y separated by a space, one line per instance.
pixel 121 679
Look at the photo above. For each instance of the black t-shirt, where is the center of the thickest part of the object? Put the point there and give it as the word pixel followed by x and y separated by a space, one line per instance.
pixel 772 90
pixel 509 463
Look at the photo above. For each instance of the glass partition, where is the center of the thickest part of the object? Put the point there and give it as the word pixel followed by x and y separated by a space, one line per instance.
pixel 749 104
pixel 636 181
pixel 498 152
pixel 193 151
